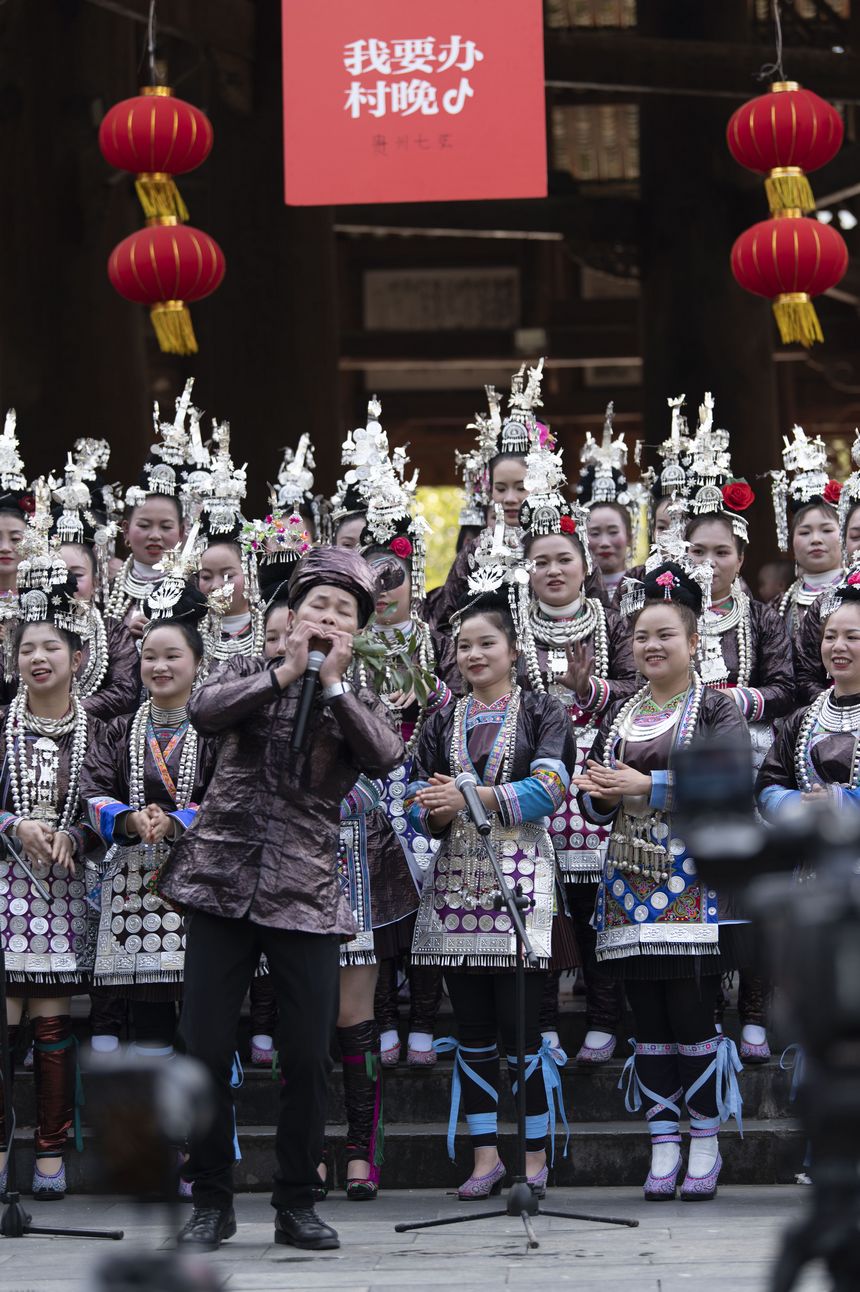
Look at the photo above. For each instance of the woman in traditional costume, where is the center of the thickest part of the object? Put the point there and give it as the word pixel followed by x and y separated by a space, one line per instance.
pixel 494 478
pixel 45 740
pixel 154 521
pixel 578 650
pixel 814 757
pixel 805 502
pixel 518 745
pixel 658 925
pixel 145 776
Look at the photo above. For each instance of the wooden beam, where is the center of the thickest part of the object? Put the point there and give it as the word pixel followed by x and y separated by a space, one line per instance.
pixel 625 62
pixel 591 340
pixel 589 219
pixel 226 26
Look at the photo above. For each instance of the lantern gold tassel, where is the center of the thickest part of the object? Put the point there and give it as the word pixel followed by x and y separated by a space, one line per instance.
pixel 158 195
pixel 173 327
pixel 788 188
pixel 796 319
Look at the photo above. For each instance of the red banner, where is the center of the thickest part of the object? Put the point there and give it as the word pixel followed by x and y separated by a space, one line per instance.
pixel 396 101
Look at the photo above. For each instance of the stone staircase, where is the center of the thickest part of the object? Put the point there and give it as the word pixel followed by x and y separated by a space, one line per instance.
pixel 607 1146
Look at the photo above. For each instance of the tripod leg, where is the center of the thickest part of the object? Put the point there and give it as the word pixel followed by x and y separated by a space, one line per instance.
pixel 448 1220
pixel 530 1233
pixel 597 1220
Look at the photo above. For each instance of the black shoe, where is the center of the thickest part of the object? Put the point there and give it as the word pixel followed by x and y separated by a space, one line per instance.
pixel 302 1227
pixel 208 1228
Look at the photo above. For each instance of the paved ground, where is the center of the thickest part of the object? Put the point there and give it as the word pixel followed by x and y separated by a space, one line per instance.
pixel 722 1245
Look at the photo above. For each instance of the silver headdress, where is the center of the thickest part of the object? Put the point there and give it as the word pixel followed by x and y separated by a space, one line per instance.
pixel 227 487
pixel 177 452
pixel 710 471
pixel 520 428
pixel 607 460
pixel 388 497
pixel 12 478
pixel 497 569
pixel 178 564
pixel 295 487
pixel 675 451
pixel 803 478
pixel 474 465
pixel 44 583
pixel 91 457
pixel 545 510
pixel 73 494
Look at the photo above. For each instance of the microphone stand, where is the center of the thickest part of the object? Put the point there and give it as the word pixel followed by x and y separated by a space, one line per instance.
pixel 15 1220
pixel 522 1201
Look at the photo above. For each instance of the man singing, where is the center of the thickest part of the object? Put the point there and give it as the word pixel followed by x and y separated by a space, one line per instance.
pixel 257 872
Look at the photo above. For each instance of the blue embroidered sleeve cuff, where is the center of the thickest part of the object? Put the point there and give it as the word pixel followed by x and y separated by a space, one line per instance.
pixel 184 816
pixel 8 820
pixel 774 798
pixel 102 815
pixel 662 791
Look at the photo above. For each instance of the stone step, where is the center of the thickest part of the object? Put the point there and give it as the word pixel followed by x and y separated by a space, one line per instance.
pixel 600 1154
pixel 422 1095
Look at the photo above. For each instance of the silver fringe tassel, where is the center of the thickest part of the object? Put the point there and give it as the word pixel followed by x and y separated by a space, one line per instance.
pixel 472 962
pixel 661 949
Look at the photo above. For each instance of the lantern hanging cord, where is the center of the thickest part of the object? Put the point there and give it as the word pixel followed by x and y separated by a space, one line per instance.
pixel 769 69
pixel 149 48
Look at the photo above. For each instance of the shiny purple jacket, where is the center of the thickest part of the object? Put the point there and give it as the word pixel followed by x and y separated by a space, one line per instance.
pixel 264 843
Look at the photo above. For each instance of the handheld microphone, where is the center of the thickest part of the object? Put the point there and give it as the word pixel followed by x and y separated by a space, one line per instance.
pixel 316 659
pixel 468 787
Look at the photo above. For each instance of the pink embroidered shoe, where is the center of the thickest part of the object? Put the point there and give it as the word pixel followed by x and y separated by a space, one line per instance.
pixel 701 1188
pixel 482 1186
pixel 752 1054
pixel 391 1057
pixel 662 1188
pixel 537 1182
pixel 261 1058
pixel 421 1058
pixel 592 1056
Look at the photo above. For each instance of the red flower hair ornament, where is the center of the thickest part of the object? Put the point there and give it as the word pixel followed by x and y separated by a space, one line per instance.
pixel 401 547
pixel 567 525
pixel 27 504
pixel 832 492
pixel 737 495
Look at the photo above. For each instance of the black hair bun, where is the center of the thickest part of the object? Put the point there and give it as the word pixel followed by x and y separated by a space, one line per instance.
pixel 191 608
pixel 273 575
pixel 484 603
pixel 670 582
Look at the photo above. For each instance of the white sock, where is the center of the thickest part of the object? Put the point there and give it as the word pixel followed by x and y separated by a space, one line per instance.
pixel 388 1040
pixel 703 1155
pixel 664 1158
pixel 262 1042
pixel 753 1035
pixel 552 1040
pixel 420 1042
pixel 105 1044
pixel 596 1040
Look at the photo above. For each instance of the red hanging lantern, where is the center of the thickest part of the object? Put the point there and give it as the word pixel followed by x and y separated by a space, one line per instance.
pixel 165 266
pixel 781 135
pixel 156 136
pixel 790 259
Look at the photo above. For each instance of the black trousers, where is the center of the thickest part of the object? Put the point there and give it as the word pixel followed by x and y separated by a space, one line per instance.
pixel 675 1011
pixel 220 958
pixel 484 1006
